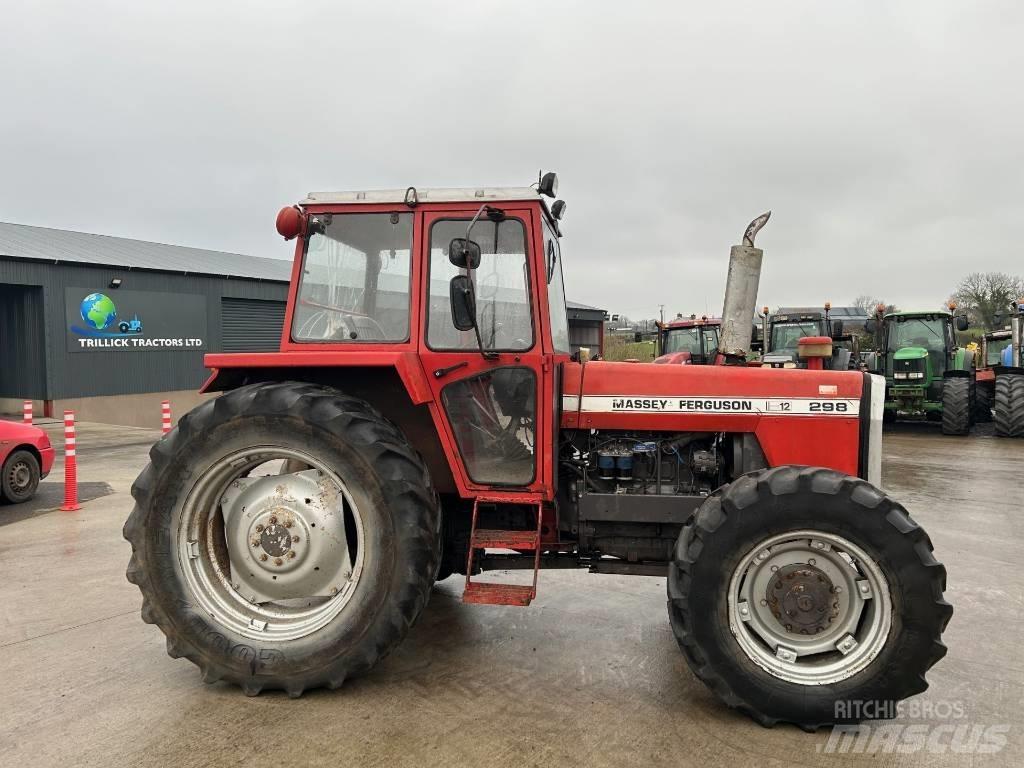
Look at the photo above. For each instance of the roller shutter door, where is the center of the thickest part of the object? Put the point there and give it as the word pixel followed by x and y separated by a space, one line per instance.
pixel 251 325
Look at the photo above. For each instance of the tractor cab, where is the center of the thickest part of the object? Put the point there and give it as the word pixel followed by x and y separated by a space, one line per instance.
pixel 792 337
pixel 688 342
pixel 918 355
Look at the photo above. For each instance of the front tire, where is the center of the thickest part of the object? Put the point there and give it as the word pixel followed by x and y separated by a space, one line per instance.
pixel 956 406
pixel 748 571
pixel 19 477
pixel 292 578
pixel 1009 405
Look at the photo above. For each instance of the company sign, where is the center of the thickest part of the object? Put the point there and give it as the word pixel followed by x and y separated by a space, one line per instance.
pixel 133 321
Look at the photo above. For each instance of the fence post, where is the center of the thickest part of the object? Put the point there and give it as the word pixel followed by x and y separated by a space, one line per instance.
pixel 165 416
pixel 70 465
pixel 26 412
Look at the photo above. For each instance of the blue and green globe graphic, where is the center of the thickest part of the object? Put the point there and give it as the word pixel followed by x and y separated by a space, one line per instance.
pixel 98 311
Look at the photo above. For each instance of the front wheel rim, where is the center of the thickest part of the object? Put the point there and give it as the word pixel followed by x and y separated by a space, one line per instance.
pixel 244 541
pixel 809 607
pixel 20 477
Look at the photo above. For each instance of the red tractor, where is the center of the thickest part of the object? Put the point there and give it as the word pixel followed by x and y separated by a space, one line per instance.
pixel 424 417
pixel 688 342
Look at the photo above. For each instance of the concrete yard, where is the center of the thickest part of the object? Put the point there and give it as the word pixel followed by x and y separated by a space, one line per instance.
pixel 588 675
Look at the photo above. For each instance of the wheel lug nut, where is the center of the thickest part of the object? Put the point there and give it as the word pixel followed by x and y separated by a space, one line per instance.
pixel 259 529
pixel 291 554
pixel 273 520
pixel 263 557
pixel 255 542
pixel 278 561
pixel 296 539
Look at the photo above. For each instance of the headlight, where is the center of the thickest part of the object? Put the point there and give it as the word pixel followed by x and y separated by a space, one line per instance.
pixel 916 375
pixel 899 375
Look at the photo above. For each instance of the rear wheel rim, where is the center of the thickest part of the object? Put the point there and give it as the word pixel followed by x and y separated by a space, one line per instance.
pixel 237 589
pixel 832 595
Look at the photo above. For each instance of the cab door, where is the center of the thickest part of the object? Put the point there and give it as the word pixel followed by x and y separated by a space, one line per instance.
pixel 489 405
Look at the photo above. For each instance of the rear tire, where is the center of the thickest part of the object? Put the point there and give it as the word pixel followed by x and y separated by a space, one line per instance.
pixel 396 547
pixel 1009 405
pixel 956 406
pixel 984 395
pixel 19 477
pixel 726 536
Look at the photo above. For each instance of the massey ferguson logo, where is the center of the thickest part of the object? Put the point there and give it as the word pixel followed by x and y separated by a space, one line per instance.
pixel 663 404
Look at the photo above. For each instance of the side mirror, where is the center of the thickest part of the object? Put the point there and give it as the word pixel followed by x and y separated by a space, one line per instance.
pixel 870 325
pixel 837 329
pixel 464 253
pixel 558 209
pixel 961 322
pixel 460 289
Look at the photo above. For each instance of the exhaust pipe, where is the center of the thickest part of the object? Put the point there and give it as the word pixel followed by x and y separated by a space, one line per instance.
pixel 1017 320
pixel 741 296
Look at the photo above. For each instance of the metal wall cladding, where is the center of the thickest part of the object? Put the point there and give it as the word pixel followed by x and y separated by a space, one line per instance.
pixel 103 372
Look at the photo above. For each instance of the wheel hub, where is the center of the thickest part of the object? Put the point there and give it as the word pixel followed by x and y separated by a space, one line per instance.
pixel 21 476
pixel 802 599
pixel 286 536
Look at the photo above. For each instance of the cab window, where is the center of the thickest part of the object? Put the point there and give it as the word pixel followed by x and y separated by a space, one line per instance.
pixel 501 284
pixel 556 292
pixel 355 280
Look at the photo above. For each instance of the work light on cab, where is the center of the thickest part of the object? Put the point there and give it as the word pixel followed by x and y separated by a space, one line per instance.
pixel 290 222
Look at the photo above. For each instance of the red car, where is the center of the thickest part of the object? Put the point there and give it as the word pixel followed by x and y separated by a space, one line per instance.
pixel 26 457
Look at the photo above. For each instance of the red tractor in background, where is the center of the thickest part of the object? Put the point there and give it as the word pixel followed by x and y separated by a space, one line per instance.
pixel 999 378
pixel 424 417
pixel 688 342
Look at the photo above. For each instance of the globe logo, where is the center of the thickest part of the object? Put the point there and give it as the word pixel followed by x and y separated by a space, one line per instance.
pixel 98 311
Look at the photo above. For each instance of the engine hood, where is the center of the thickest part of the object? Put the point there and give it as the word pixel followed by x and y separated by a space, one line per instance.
pixel 910 353
pixel 792 411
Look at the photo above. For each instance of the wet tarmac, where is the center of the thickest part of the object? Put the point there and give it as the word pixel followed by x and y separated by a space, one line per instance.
pixel 589 674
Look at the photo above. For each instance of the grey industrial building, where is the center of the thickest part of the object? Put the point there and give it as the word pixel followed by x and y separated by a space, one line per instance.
pixel 188 302
pixel 110 326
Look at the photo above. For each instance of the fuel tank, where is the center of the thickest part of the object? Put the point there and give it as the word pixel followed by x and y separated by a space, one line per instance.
pixel 817 418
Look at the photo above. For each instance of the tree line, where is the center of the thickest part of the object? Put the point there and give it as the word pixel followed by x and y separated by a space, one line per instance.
pixel 982 295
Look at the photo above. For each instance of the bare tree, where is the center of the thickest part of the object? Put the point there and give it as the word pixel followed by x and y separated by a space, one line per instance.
pixel 983 294
pixel 868 304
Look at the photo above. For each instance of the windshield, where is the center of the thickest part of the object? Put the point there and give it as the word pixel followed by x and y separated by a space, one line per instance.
pixel 556 292
pixel 928 333
pixel 785 336
pixel 995 349
pixel 355 279
pixel 688 340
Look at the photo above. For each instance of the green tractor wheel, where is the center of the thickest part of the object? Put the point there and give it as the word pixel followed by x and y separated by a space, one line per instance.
pixel 956 406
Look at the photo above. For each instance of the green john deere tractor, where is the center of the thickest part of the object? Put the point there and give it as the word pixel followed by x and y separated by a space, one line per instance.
pixel 927 375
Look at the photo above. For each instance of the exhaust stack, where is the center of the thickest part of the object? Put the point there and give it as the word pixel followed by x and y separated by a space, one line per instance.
pixel 741 296
pixel 1016 323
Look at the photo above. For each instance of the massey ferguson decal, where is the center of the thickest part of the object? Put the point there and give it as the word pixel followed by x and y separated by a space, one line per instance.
pixel 789 406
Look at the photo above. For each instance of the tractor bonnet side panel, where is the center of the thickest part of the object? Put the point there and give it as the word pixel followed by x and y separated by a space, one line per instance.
pixel 798 416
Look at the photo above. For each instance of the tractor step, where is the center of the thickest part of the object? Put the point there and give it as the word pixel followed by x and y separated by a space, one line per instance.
pixel 489 538
pixel 489 593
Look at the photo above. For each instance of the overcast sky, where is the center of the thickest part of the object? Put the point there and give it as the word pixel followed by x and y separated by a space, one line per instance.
pixel 886 137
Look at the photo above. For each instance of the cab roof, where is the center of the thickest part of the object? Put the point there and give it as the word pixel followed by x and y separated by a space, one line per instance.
pixel 691 323
pixel 479 195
